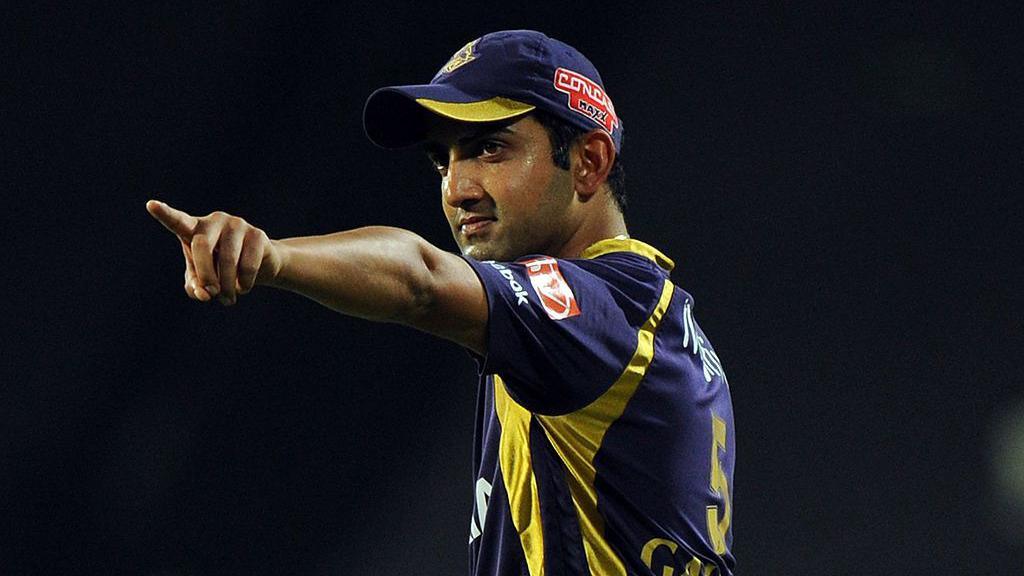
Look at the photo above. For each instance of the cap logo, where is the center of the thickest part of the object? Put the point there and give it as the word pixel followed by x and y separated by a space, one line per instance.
pixel 464 55
pixel 587 98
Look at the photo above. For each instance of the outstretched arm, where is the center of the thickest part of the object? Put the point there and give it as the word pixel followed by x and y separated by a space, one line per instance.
pixel 378 273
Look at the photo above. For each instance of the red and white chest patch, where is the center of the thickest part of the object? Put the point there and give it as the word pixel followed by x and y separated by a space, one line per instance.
pixel 587 98
pixel 555 295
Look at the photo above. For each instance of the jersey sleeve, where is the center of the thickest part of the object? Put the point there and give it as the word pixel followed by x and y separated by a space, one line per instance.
pixel 561 331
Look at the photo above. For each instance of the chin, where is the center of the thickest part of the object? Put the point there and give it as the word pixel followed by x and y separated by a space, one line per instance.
pixel 485 252
pixel 477 253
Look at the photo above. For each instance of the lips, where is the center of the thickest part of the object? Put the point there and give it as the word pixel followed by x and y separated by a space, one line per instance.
pixel 473 224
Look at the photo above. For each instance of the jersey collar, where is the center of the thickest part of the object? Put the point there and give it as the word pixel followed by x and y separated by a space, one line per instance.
pixel 627 244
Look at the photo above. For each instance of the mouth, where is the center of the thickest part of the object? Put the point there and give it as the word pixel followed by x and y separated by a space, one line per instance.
pixel 474 225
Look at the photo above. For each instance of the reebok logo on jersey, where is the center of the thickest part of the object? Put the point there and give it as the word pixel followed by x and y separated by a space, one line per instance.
pixel 587 98
pixel 517 288
pixel 555 295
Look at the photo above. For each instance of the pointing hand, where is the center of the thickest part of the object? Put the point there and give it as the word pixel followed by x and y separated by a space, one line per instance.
pixel 224 255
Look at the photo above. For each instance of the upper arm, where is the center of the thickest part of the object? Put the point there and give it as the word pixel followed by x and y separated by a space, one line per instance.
pixel 452 302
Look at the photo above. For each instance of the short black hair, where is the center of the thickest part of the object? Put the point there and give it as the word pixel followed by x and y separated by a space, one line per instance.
pixel 562 136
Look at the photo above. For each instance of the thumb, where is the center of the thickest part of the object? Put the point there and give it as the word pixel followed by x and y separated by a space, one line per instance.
pixel 174 220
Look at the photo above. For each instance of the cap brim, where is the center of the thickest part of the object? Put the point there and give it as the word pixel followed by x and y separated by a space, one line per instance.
pixel 395 117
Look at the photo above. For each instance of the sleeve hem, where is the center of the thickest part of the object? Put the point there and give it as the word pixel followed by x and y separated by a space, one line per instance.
pixel 482 361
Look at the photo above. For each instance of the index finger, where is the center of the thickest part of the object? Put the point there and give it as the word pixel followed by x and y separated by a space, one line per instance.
pixel 174 220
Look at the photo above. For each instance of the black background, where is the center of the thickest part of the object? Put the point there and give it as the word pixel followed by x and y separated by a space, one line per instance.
pixel 840 189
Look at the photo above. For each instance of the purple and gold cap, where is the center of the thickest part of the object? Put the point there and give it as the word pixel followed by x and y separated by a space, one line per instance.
pixel 498 76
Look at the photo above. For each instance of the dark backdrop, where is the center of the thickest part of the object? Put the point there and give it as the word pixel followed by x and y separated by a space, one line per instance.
pixel 840 189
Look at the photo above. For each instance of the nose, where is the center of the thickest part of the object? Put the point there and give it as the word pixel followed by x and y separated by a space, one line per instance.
pixel 461 185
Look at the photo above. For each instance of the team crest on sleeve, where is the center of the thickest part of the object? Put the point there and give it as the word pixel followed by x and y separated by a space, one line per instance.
pixel 587 98
pixel 555 295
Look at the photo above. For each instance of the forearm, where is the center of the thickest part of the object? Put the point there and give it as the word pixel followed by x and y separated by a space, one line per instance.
pixel 378 273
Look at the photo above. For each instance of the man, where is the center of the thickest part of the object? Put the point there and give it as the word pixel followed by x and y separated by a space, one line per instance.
pixel 604 439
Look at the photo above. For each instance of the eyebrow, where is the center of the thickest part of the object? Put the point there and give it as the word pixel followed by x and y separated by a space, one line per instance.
pixel 483 133
pixel 433 147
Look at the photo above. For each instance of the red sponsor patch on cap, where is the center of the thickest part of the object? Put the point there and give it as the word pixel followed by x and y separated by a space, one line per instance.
pixel 587 98
pixel 555 295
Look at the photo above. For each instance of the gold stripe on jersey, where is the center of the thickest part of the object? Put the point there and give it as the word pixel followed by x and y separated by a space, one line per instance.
pixel 517 470
pixel 577 437
pixel 626 244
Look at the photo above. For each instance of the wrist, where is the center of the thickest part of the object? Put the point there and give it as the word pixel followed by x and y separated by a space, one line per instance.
pixel 275 264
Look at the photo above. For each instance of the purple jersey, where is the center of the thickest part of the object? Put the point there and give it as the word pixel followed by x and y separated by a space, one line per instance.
pixel 604 437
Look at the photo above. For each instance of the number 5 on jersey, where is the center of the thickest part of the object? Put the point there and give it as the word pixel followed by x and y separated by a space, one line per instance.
pixel 718 527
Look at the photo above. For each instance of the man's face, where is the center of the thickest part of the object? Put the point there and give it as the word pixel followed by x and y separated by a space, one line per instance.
pixel 501 192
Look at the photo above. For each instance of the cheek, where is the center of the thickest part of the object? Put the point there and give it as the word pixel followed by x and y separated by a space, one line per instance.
pixel 527 181
pixel 531 171
pixel 444 192
pixel 450 211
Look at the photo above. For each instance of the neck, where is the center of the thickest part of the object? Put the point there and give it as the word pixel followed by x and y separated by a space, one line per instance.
pixel 599 224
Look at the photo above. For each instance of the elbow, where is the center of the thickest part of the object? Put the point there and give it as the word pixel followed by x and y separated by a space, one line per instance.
pixel 421 290
pixel 421 301
pixel 438 293
pixel 441 295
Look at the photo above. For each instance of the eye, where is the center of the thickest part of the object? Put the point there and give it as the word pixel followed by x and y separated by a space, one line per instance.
pixel 491 147
pixel 439 162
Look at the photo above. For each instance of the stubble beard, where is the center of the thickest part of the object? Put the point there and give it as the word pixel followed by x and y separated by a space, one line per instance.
pixel 502 248
pixel 482 251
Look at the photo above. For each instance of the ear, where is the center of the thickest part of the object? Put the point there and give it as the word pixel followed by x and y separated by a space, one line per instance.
pixel 592 157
